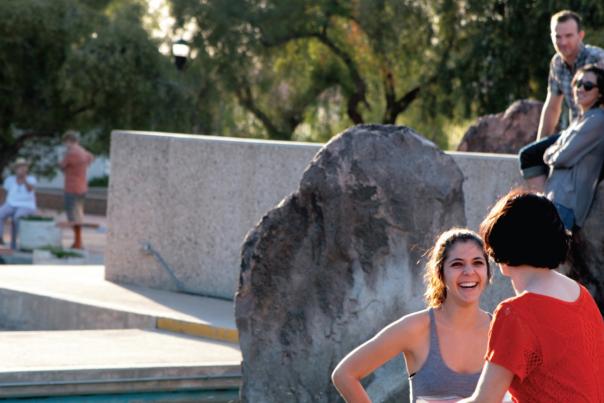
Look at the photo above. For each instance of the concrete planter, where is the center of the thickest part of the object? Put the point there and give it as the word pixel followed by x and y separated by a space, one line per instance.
pixel 35 234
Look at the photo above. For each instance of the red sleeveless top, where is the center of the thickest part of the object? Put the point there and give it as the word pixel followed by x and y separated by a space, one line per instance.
pixel 554 348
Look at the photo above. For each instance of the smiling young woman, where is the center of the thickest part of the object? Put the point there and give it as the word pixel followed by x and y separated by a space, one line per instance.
pixel 443 345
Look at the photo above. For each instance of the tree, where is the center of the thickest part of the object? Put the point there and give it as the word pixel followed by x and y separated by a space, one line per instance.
pixel 503 51
pixel 279 69
pixel 376 60
pixel 377 55
pixel 88 65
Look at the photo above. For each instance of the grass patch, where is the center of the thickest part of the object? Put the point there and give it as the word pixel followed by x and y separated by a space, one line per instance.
pixel 61 253
pixel 99 181
pixel 37 218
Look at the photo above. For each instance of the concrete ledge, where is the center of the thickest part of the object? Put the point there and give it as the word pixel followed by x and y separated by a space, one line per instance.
pixel 197 329
pixel 78 297
pixel 487 177
pixel 30 311
pixel 85 362
pixel 123 381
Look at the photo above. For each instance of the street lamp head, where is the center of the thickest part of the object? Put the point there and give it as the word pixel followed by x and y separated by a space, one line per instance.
pixel 180 50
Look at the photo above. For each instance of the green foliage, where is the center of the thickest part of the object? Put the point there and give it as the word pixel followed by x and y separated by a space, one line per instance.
pixel 99 181
pixel 87 65
pixel 306 69
pixel 504 49
pixel 37 218
pixel 61 253
pixel 288 63
pixel 278 69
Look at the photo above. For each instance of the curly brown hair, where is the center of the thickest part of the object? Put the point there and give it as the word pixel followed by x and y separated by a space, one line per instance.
pixel 434 277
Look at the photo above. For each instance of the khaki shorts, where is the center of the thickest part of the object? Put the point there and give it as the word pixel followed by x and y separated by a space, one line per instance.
pixel 74 207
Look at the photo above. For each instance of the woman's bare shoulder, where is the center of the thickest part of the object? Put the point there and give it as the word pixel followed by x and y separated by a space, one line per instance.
pixel 411 324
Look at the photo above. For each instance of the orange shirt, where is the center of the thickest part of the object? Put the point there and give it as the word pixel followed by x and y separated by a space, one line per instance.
pixel 75 164
pixel 554 348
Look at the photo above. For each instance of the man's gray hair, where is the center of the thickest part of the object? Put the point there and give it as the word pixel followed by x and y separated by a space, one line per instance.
pixel 71 135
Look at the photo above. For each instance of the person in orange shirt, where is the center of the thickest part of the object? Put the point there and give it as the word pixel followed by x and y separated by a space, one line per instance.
pixel 74 166
pixel 546 344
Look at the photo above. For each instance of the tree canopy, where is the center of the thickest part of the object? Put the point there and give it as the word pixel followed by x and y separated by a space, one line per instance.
pixel 319 66
pixel 278 69
pixel 87 65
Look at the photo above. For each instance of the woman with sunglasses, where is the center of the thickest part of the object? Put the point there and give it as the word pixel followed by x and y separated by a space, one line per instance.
pixel 574 158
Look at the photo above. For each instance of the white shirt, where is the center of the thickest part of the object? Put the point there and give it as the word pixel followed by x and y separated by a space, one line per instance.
pixel 17 195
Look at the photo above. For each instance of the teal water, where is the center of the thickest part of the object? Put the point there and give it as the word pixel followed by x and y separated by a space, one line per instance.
pixel 204 396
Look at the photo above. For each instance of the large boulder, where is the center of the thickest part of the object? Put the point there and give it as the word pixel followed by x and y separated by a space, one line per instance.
pixel 339 259
pixel 505 132
pixel 588 254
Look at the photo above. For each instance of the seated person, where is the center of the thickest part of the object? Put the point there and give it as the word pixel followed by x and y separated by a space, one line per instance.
pixel 573 160
pixel 20 199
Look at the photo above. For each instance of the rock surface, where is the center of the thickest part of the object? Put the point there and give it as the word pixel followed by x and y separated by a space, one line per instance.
pixel 340 258
pixel 505 132
pixel 588 256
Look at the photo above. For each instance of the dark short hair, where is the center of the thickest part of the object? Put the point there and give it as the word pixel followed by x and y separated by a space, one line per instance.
pixel 566 15
pixel 434 276
pixel 525 229
pixel 598 71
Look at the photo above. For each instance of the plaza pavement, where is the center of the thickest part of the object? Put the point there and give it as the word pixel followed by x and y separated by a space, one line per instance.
pixel 68 331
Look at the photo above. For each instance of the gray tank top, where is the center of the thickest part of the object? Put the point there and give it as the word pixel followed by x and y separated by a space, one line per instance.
pixel 434 378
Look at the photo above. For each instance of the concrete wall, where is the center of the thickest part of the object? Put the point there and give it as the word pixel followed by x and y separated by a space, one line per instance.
pixel 193 199
pixel 487 177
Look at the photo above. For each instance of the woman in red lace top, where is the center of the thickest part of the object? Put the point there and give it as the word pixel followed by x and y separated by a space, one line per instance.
pixel 546 344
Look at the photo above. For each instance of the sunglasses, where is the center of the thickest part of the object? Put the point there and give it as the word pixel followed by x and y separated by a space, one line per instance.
pixel 588 85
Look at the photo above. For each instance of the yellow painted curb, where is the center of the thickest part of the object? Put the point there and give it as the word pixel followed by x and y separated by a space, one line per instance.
pixel 197 329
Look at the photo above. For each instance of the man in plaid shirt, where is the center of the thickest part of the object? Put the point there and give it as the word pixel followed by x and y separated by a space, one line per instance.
pixel 571 54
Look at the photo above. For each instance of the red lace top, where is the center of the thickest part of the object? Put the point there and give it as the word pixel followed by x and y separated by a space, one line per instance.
pixel 554 348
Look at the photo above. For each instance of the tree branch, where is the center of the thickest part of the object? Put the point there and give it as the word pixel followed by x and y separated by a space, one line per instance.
pixel 360 88
pixel 79 110
pixel 8 151
pixel 30 135
pixel 244 95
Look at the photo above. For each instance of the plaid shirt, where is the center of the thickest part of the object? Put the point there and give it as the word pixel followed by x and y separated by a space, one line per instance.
pixel 561 75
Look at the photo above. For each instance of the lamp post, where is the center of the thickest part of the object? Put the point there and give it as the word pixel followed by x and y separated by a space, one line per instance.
pixel 180 51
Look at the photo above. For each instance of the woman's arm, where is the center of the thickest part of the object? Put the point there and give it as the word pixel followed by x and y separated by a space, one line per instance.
pixel 492 385
pixel 565 154
pixel 392 340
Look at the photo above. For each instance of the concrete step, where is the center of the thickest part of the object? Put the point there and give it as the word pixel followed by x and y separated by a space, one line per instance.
pixel 103 362
pixel 78 298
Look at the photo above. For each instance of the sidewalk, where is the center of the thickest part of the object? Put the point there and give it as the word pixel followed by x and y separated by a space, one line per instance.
pixel 66 332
